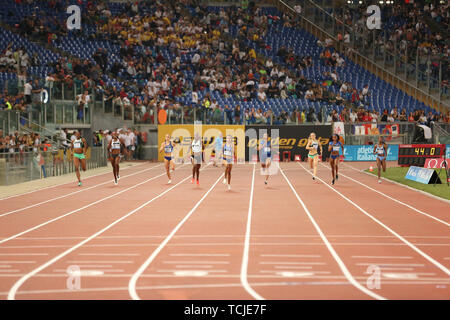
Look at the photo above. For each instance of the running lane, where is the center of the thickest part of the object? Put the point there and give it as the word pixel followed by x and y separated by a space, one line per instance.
pixel 22 255
pixel 113 249
pixel 368 248
pixel 286 250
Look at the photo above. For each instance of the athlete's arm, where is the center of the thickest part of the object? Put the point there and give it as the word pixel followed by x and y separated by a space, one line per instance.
pixel 84 146
pixel 308 145
pixel 162 147
pixel 330 146
pixel 374 148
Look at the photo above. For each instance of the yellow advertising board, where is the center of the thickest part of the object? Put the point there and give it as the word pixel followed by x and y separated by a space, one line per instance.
pixel 183 136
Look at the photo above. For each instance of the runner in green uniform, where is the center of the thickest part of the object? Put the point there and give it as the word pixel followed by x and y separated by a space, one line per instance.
pixel 79 148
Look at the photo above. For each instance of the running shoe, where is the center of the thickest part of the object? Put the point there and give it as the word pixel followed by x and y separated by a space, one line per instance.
pixel 314 178
pixel 379 180
pixel 118 177
pixel 198 182
pixel 193 180
pixel 229 187
pixel 170 181
pixel 224 181
pixel 337 176
pixel 265 182
pixel 115 181
pixel 332 182
pixel 80 184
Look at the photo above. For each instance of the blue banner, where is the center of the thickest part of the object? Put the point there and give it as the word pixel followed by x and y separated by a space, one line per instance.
pixel 418 174
pixel 447 151
pixel 365 153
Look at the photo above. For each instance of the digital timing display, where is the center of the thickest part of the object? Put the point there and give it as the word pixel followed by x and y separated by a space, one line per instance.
pixel 416 154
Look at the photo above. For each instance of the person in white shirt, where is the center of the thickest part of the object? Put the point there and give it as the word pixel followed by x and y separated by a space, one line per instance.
pixel 194 98
pixel 353 116
pixel 27 89
pixel 262 95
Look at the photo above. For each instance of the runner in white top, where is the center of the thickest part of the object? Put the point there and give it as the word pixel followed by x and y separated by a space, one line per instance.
pixel 196 150
pixel 114 149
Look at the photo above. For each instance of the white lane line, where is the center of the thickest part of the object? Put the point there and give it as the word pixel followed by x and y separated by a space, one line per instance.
pixel 293 263
pixel 245 254
pixel 23 254
pixel 62 184
pixel 86 271
pixel 174 270
pixel 197 262
pixel 9 270
pixel 292 267
pixel 336 257
pixel 5 266
pixel 409 244
pixel 275 244
pixel 110 254
pixel 79 209
pixel 447 258
pixel 294 272
pixel 392 264
pixel 395 268
pixel 199 254
pixel 231 236
pixel 396 200
pixel 382 257
pixel 98 261
pixel 212 285
pixel 18 262
pixel 402 185
pixel 194 266
pixel 291 255
pixel 138 273
pixel 12 292
pixel 95 265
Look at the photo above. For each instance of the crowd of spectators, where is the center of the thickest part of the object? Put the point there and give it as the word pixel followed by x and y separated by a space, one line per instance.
pixel 218 63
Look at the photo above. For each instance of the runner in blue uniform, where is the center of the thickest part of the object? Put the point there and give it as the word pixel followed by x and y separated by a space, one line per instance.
pixel 265 156
pixel 381 150
pixel 228 159
pixel 167 146
pixel 334 147
pixel 218 150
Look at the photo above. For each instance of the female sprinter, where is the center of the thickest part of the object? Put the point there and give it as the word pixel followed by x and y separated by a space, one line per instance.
pixel 168 146
pixel 265 156
pixel 196 149
pixel 381 150
pixel 334 147
pixel 79 148
pixel 313 156
pixel 114 147
pixel 228 158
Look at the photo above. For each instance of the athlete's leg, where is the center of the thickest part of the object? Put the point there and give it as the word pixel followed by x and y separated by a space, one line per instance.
pixel 332 168
pixel 229 167
pixel 83 164
pixel 384 165
pixel 379 167
pixel 167 166
pixel 268 163
pixel 113 165
pixel 336 166
pixel 315 161
pixel 76 163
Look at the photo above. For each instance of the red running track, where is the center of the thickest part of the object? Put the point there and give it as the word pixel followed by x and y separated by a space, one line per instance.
pixel 293 239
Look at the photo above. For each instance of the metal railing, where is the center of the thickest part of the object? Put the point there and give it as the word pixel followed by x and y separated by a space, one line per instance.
pixel 18 167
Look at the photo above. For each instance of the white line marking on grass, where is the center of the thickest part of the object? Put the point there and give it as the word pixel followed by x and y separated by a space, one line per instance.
pixel 409 244
pixel 245 254
pixel 402 185
pixel 396 200
pixel 79 209
pixel 138 273
pixel 336 257
pixel 12 292
pixel 70 194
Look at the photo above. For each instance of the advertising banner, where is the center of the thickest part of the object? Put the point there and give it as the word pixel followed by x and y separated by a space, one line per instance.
pixel 183 135
pixel 290 140
pixel 365 153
